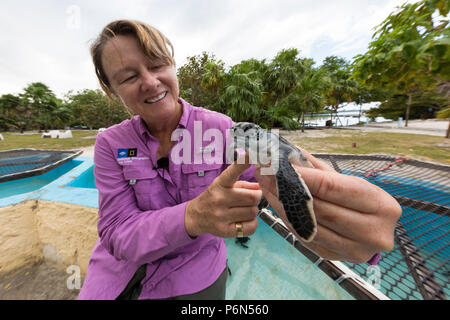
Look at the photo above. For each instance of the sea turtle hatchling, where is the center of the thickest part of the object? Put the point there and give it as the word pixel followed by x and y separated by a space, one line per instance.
pixel 269 149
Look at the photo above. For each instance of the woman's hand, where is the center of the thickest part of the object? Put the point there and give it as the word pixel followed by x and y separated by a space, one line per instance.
pixel 355 219
pixel 225 202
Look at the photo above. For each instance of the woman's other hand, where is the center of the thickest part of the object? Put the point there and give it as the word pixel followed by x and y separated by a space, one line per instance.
pixel 355 219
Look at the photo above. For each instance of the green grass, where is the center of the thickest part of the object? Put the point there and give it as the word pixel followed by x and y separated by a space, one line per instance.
pixel 81 138
pixel 421 147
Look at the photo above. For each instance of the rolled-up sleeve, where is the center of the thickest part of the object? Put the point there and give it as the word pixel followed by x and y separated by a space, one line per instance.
pixel 125 231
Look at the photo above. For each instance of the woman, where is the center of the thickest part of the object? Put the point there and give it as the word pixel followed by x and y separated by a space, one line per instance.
pixel 161 222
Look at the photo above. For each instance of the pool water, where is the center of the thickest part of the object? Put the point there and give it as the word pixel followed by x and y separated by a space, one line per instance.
pixel 272 269
pixel 25 185
pixel 84 180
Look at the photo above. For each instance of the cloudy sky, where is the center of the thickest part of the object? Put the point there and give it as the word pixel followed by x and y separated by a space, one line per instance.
pixel 48 41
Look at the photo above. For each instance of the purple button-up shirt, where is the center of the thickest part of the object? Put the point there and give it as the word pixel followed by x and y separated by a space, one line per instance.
pixel 141 211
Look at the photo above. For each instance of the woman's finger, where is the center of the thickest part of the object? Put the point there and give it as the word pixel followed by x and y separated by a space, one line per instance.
pixel 344 221
pixel 266 182
pixel 237 214
pixel 322 252
pixel 328 241
pixel 231 174
pixel 248 228
pixel 343 248
pixel 347 191
pixel 246 185
pixel 240 197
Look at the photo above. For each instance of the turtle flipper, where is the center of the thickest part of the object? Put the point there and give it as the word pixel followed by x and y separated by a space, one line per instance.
pixel 296 199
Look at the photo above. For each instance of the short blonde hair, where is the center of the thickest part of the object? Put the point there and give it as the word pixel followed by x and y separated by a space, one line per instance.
pixel 154 44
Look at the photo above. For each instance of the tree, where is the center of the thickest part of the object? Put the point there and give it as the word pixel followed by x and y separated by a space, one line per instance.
pixel 10 116
pixel 95 110
pixel 410 51
pixel 212 82
pixel 341 88
pixel 38 103
pixel 309 94
pixel 200 79
pixel 279 79
pixel 424 105
pixel 62 116
pixel 281 76
pixel 363 94
pixel 445 114
pixel 241 96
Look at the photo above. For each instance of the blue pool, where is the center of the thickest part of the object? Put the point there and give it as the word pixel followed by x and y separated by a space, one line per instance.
pixel 34 183
pixel 54 185
pixel 270 268
pixel 84 180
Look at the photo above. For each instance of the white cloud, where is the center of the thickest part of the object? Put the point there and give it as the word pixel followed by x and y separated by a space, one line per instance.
pixel 48 42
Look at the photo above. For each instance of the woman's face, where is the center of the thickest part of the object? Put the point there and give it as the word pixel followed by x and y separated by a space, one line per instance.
pixel 148 87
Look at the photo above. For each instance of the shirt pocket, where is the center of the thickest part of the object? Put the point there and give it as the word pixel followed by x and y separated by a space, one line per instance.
pixel 197 178
pixel 147 186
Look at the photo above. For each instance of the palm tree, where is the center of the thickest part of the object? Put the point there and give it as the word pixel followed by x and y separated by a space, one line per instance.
pixel 212 82
pixel 241 96
pixel 282 75
pixel 8 110
pixel 310 91
pixel 62 115
pixel 341 88
pixel 279 80
pixel 39 101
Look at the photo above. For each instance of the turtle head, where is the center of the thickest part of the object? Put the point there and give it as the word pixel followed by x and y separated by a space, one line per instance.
pixel 256 141
pixel 241 130
pixel 245 135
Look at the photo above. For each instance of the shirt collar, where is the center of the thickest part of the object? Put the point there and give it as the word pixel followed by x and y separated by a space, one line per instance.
pixel 142 127
pixel 187 108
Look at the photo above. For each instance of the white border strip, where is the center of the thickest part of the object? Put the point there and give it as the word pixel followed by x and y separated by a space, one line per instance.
pixel 350 274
